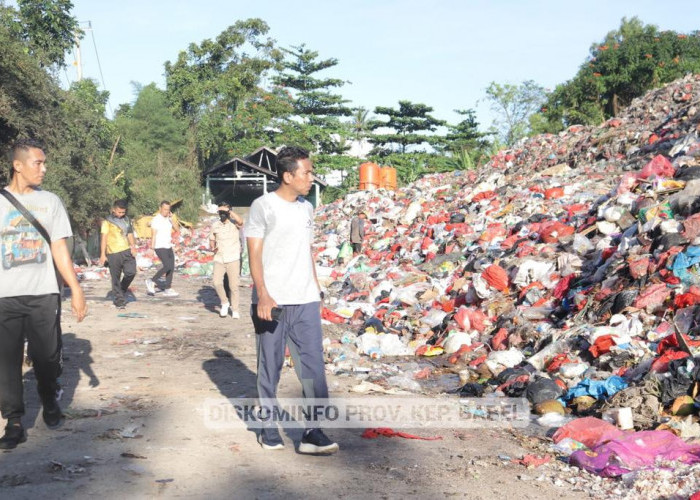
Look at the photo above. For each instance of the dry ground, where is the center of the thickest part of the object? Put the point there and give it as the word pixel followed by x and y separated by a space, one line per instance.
pixel 134 393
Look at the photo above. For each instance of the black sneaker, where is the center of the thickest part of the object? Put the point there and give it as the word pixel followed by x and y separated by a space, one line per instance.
pixel 315 442
pixel 14 435
pixel 52 414
pixel 270 439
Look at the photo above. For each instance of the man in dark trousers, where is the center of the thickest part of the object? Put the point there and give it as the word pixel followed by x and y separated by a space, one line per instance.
pixel 30 302
pixel 357 232
pixel 162 228
pixel 279 235
pixel 118 249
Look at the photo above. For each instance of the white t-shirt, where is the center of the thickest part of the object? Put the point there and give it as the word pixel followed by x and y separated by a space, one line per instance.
pixel 27 263
pixel 287 232
pixel 164 229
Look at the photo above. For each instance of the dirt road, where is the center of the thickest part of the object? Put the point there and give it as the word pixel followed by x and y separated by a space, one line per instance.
pixel 136 382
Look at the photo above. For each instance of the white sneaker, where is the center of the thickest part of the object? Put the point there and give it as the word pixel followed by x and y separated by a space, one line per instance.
pixel 169 292
pixel 223 312
pixel 235 315
pixel 150 287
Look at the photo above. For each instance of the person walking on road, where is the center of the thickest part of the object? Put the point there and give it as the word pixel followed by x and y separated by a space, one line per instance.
pixel 35 227
pixel 224 240
pixel 162 229
pixel 118 249
pixel 286 307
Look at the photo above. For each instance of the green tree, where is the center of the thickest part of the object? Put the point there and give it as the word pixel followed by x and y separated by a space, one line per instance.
pixel 464 143
pixel 317 109
pixel 513 106
pixel 153 161
pixel 216 84
pixel 410 126
pixel 628 62
pixel 28 96
pixel 78 156
pixel 360 124
pixel 48 28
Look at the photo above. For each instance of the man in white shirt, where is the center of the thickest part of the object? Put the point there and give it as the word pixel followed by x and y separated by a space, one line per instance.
pixel 162 243
pixel 279 233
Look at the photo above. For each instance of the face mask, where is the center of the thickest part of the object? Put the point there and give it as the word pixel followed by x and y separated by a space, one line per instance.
pixel 223 216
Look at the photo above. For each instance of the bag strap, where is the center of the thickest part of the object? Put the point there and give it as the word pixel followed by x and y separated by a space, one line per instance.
pixel 27 214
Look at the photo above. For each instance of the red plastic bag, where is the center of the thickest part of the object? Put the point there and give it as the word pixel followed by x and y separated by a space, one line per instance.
pixel 553 193
pixel 590 431
pixel 658 166
pixel 496 277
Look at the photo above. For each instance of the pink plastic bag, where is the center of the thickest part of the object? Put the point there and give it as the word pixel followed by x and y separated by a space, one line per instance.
pixel 590 431
pixel 658 166
pixel 634 451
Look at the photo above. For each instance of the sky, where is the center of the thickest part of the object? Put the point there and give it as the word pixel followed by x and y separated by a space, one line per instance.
pixel 442 53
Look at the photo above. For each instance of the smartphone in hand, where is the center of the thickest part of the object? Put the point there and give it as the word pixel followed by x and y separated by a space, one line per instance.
pixel 276 313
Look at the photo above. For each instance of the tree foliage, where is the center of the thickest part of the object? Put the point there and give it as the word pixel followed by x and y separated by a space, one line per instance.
pixel 153 163
pixel 513 106
pixel 627 63
pixel 410 126
pixel 216 86
pixel 48 28
pixel 317 108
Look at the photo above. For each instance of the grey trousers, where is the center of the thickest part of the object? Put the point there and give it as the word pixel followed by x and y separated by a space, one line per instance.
pixel 299 327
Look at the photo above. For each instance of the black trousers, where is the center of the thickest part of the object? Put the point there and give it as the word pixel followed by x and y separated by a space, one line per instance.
pixel 121 262
pixel 167 259
pixel 38 319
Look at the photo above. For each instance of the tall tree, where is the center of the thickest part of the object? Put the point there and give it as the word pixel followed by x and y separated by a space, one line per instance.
pixel 317 109
pixel 628 62
pixel 409 125
pixel 212 84
pixel 48 28
pixel 464 142
pixel 513 106
pixel 153 163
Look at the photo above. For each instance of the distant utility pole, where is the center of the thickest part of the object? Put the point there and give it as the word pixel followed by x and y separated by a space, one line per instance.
pixel 78 60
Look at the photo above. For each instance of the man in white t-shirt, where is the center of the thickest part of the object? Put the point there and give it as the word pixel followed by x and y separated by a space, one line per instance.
pixel 162 243
pixel 286 296
pixel 30 300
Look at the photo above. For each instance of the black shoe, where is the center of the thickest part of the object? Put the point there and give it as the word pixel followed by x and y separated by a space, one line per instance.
pixel 14 435
pixel 270 439
pixel 315 442
pixel 52 414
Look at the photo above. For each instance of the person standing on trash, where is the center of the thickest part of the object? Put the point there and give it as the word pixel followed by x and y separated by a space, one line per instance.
pixel 118 249
pixel 30 300
pixel 224 241
pixel 279 235
pixel 357 233
pixel 162 228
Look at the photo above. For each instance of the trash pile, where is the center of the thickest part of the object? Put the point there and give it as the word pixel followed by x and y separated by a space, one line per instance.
pixel 567 271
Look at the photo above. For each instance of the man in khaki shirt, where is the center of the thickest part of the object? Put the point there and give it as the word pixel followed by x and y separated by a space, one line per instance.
pixel 224 240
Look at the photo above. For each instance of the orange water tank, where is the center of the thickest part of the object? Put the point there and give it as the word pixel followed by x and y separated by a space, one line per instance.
pixel 388 178
pixel 369 176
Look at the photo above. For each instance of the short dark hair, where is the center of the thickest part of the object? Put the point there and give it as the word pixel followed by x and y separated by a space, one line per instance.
pixel 224 204
pixel 23 145
pixel 164 202
pixel 120 204
pixel 288 158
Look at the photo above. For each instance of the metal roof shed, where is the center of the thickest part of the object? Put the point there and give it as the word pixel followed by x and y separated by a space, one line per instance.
pixel 241 180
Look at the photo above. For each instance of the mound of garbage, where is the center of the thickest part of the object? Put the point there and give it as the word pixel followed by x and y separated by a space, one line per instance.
pixel 566 270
